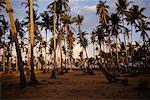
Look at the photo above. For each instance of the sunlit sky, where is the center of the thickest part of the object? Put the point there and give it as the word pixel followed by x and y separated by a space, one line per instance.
pixel 87 8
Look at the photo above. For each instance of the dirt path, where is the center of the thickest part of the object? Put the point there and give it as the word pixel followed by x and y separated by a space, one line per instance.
pixel 73 85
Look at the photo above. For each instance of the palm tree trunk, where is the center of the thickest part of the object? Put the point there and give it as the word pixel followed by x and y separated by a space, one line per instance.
pixel 4 59
pixel 125 46
pixel 53 76
pixel 131 47
pixel 94 54
pixel 33 79
pixel 13 29
pixel 117 51
pixel 45 48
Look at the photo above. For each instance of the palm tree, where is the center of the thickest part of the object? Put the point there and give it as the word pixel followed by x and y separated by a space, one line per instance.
pixel 102 11
pixel 67 21
pixel 100 38
pixel 93 40
pixel 122 6
pixel 14 34
pixel 79 19
pixel 53 76
pixel 47 24
pixel 61 8
pixel 115 30
pixel 33 78
pixel 143 27
pixel 21 33
pixel 134 15
pixel 4 29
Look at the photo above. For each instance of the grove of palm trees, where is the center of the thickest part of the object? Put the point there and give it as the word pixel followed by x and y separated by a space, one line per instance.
pixel 47 54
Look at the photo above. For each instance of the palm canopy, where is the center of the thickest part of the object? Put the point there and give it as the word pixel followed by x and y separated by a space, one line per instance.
pixel 19 28
pixel 122 6
pixel 82 40
pixel 143 27
pixel 79 19
pixel 102 11
pixel 115 24
pixel 135 14
pixel 61 7
pixel 47 21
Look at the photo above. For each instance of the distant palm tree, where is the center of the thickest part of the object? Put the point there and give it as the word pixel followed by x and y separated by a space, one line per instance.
pixel 102 11
pixel 134 15
pixel 93 40
pixel 67 21
pixel 122 6
pixel 143 28
pixel 4 28
pixel 116 28
pixel 47 23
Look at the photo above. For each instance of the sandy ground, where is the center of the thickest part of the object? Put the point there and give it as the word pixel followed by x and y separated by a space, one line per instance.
pixel 73 86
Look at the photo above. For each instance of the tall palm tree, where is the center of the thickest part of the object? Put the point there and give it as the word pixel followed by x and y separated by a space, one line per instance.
pixel 46 23
pixel 61 7
pixel 33 78
pixel 102 11
pixel 53 76
pixel 67 21
pixel 79 19
pixel 14 34
pixel 93 40
pixel 134 15
pixel 4 28
pixel 116 28
pixel 21 33
pixel 122 6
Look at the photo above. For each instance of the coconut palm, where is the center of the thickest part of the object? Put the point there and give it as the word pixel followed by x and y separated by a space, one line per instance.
pixel 61 7
pixel 116 28
pixel 67 21
pixel 4 25
pixel 122 6
pixel 134 16
pixel 14 34
pixel 47 23
pixel 93 40
pixel 102 11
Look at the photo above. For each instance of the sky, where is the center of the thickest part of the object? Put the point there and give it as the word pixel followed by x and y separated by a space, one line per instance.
pixel 87 8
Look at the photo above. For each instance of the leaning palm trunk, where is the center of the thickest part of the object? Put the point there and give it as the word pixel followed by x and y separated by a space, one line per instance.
pixel 14 34
pixel 33 79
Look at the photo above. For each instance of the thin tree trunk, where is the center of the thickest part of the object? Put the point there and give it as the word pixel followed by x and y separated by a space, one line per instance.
pixel 45 48
pixel 14 33
pixel 33 79
pixel 53 76
pixel 117 51
pixel 4 59
pixel 125 46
